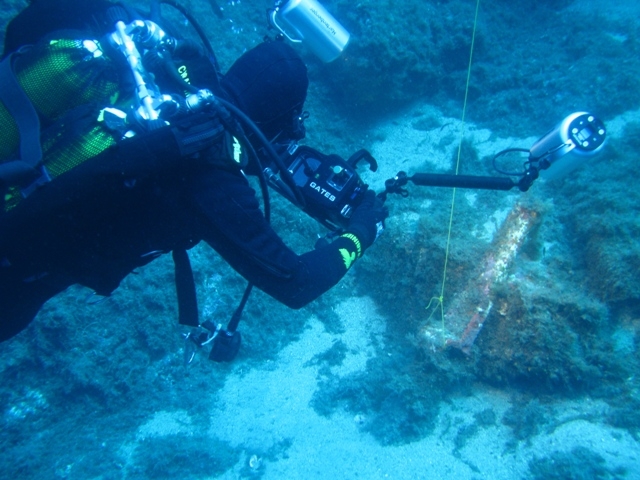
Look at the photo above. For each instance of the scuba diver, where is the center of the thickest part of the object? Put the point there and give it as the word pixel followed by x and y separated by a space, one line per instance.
pixel 122 141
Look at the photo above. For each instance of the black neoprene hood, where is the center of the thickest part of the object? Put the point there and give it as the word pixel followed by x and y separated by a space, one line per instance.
pixel 269 84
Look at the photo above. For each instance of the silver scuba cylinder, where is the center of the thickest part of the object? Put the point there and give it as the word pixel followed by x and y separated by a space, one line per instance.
pixel 308 22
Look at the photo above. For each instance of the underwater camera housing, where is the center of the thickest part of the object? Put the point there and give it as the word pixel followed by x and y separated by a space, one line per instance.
pixel 330 185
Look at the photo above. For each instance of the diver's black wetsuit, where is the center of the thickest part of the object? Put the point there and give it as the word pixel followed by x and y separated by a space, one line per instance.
pixel 94 224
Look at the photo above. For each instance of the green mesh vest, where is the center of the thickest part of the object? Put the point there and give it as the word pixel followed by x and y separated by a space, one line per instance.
pixel 59 77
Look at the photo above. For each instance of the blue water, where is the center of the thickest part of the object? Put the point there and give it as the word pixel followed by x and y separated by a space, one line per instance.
pixel 351 386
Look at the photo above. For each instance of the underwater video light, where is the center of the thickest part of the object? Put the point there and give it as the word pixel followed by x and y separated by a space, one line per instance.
pixel 565 147
pixel 308 22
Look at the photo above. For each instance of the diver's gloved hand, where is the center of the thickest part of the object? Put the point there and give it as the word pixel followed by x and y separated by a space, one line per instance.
pixel 367 220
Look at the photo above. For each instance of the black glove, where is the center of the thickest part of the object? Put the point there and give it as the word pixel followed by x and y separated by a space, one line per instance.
pixel 367 220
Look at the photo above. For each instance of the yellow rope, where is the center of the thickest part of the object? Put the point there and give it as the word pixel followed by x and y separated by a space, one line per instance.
pixel 440 299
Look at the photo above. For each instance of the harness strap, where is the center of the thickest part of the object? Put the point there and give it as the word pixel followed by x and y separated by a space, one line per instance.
pixel 23 112
pixel 16 172
pixel 185 289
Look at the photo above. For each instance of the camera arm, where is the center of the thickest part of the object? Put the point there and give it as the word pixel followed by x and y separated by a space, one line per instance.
pixel 576 137
pixel 396 184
